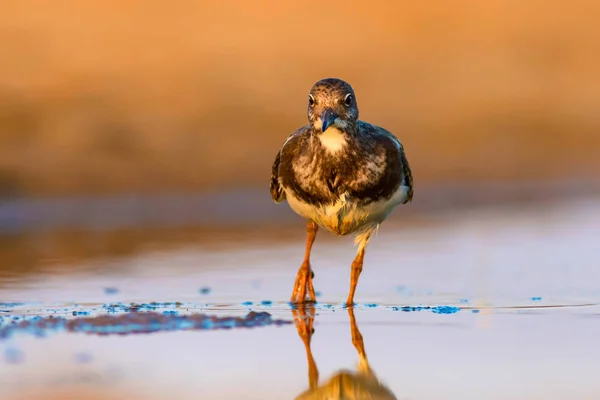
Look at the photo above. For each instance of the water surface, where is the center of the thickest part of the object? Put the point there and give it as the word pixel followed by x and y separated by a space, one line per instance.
pixel 489 303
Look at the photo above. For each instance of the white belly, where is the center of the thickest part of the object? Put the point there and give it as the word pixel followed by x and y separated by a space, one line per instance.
pixel 346 216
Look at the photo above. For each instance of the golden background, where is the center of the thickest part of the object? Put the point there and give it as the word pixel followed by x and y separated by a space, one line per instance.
pixel 100 97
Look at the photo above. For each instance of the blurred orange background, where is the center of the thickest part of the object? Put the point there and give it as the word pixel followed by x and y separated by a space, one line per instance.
pixel 102 97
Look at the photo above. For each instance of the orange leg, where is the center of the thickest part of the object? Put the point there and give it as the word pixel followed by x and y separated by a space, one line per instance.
pixel 357 265
pixel 305 275
pixel 304 325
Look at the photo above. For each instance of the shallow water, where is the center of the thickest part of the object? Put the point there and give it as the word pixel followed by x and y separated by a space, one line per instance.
pixel 491 303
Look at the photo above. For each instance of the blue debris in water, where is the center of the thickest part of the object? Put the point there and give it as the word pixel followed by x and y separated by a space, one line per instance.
pixel 75 313
pixel 247 303
pixel 536 298
pixel 434 309
pixel 445 310
pixel 204 290
pixel 266 302
pixel 12 355
pixel 318 294
pixel 11 305
pixel 475 311
pixel 136 323
pixel 83 358
pixel 111 290
pixel 464 300
pixel 371 305
pixel 409 308
pixel 135 307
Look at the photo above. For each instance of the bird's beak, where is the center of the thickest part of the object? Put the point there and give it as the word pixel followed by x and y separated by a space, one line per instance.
pixel 327 118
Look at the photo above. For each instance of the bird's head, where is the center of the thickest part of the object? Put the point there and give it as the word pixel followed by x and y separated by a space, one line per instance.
pixel 331 103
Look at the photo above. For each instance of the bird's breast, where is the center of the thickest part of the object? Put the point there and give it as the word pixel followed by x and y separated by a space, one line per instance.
pixel 342 192
pixel 343 216
pixel 333 140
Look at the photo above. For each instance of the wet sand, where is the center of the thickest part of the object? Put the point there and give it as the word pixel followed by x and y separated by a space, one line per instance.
pixel 521 287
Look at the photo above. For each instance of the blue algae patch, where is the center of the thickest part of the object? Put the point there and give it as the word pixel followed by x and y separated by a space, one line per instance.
pixel 326 305
pixel 266 302
pixel 83 358
pixel 536 298
pixel 371 305
pixel 204 290
pixel 111 290
pixel 136 323
pixel 434 309
pixel 475 311
pixel 247 303
pixel 170 312
pixel 464 300
pixel 12 355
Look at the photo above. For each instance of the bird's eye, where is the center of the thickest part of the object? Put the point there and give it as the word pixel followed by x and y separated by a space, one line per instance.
pixel 348 100
pixel 311 100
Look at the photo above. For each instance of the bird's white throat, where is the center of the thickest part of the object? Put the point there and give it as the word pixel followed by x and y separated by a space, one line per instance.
pixel 333 139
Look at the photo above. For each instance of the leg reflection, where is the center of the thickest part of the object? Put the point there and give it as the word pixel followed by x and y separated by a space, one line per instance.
pixel 357 341
pixel 304 317
pixel 345 384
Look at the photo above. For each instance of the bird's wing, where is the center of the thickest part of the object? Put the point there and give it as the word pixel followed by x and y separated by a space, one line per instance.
pixel 404 165
pixel 406 172
pixel 277 193
pixel 408 178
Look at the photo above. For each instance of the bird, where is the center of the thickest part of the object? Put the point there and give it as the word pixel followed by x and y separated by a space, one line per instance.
pixel 344 384
pixel 341 174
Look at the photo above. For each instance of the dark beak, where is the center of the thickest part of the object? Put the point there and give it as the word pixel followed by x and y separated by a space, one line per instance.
pixel 327 118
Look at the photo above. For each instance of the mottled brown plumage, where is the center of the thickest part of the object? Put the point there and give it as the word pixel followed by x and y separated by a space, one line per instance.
pixel 340 173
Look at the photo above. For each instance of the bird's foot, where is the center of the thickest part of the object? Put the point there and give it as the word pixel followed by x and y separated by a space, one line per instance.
pixel 303 297
pixel 304 291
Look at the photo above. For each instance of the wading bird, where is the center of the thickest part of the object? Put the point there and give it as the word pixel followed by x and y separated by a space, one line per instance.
pixel 340 173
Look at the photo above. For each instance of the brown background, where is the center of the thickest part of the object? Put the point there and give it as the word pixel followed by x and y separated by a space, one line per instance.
pixel 135 96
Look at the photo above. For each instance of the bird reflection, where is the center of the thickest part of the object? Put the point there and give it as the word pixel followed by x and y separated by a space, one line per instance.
pixel 344 385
